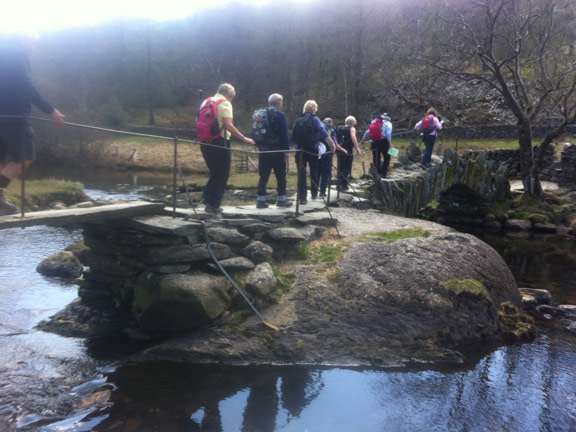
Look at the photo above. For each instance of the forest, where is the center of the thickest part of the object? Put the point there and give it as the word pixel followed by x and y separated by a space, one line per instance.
pixel 476 61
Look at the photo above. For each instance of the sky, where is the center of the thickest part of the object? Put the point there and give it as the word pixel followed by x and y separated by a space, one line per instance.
pixel 44 16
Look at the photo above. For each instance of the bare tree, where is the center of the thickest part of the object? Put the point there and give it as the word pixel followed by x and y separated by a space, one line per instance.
pixel 520 49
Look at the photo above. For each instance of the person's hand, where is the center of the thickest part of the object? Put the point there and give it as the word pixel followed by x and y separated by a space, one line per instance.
pixel 250 141
pixel 358 150
pixel 57 117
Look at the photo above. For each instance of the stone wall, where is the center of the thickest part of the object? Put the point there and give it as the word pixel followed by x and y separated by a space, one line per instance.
pixel 498 132
pixel 567 171
pixel 485 177
pixel 159 269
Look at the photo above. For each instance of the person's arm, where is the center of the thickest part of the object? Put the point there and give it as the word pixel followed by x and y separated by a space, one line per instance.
pixel 365 136
pixel 355 140
pixel 229 126
pixel 437 124
pixel 389 132
pixel 418 125
pixel 320 130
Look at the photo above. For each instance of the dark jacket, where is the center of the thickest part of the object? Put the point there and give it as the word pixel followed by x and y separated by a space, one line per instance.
pixel 17 92
pixel 278 130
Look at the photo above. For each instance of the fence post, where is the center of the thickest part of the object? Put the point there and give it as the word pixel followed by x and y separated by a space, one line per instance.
pixel 23 174
pixel 175 172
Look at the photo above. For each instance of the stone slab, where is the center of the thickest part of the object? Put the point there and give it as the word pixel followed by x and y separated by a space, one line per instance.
pixel 75 216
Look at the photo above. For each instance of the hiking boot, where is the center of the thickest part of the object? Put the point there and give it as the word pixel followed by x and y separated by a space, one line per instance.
pixel 261 204
pixel 211 209
pixel 303 201
pixel 6 207
pixel 284 203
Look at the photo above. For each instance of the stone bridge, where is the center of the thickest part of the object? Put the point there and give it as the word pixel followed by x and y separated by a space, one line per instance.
pixel 471 180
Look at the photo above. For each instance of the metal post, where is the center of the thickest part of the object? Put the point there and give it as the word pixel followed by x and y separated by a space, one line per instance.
pixel 298 170
pixel 23 174
pixel 175 172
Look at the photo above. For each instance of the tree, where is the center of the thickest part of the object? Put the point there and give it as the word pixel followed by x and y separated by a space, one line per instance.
pixel 520 49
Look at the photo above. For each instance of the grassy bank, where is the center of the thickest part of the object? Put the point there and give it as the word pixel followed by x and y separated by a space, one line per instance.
pixel 41 194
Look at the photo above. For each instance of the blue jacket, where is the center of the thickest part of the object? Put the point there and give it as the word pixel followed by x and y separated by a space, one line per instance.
pixel 282 139
pixel 17 92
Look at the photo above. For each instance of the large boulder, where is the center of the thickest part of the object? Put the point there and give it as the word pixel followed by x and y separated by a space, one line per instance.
pixel 174 303
pixel 413 300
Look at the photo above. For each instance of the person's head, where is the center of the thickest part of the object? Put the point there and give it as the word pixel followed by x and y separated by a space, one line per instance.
pixel 328 121
pixel 275 100
pixel 386 117
pixel 350 121
pixel 311 106
pixel 431 111
pixel 227 90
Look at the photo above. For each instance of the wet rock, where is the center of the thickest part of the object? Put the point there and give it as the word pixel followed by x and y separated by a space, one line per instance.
pixel 546 309
pixel 518 224
pixel 541 295
pixel 544 227
pixel 62 264
pixel 572 327
pixel 529 302
pixel 568 310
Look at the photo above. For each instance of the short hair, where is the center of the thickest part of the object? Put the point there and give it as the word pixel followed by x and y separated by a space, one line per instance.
pixel 226 90
pixel 431 111
pixel 350 121
pixel 310 105
pixel 275 99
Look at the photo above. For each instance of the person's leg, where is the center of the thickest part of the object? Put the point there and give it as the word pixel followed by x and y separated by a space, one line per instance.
pixel 386 159
pixel 314 175
pixel 280 173
pixel 347 169
pixel 375 147
pixel 429 141
pixel 18 139
pixel 265 165
pixel 302 186
pixel 217 158
pixel 222 172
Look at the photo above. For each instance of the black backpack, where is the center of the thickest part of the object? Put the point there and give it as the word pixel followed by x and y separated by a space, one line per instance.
pixel 304 133
pixel 344 138
pixel 265 128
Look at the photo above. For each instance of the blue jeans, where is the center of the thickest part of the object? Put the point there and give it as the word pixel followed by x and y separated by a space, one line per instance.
pixel 429 141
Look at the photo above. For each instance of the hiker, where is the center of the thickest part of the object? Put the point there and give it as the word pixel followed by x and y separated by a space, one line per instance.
pixel 380 133
pixel 307 133
pixel 217 153
pixel 346 136
pixel 17 95
pixel 428 128
pixel 275 138
pixel 325 162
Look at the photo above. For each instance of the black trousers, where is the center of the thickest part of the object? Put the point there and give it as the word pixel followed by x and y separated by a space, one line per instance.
pixel 344 168
pixel 218 160
pixel 266 163
pixel 380 151
pixel 310 160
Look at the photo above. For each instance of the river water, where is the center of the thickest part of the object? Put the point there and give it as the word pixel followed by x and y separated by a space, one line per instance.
pixel 52 383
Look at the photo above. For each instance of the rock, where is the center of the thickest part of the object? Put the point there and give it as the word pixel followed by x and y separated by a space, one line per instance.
pixel 285 234
pixel 254 228
pixel 393 303
pixel 544 227
pixel 529 302
pixel 541 295
pixel 546 309
pixel 221 251
pixel 62 264
pixel 261 281
pixel 569 310
pixel 227 236
pixel 572 327
pixel 493 225
pixel 518 224
pixel 258 251
pixel 168 304
pixel 235 264
pixel 85 204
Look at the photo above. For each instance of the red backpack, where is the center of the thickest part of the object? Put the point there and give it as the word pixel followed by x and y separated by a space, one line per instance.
pixel 375 131
pixel 427 126
pixel 207 128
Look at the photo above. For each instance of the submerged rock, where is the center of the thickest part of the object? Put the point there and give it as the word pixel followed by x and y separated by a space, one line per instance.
pixel 63 264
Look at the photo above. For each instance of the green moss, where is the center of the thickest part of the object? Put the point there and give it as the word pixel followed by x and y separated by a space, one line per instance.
pixel 401 234
pixel 470 286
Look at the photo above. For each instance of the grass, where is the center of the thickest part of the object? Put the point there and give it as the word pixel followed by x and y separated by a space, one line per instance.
pixel 393 236
pixel 40 194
